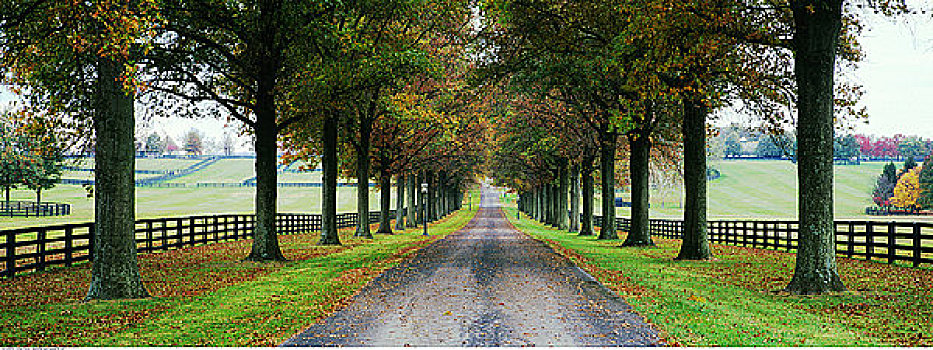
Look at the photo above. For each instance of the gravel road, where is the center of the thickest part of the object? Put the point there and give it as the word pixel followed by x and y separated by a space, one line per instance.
pixel 485 285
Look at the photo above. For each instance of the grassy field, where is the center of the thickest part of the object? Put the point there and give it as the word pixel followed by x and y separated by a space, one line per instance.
pixel 732 301
pixel 207 296
pixel 768 189
pixel 169 202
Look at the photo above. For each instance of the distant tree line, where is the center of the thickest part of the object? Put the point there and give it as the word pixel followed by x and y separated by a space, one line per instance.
pixel 735 141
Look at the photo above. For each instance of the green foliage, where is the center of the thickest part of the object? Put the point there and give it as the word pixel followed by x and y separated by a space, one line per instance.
pixel 30 153
pixel 926 184
pixel 909 164
pixel 890 172
pixel 193 144
pixel 154 144
pixel 846 147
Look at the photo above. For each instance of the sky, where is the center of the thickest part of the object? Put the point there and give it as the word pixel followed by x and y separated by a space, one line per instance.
pixel 897 76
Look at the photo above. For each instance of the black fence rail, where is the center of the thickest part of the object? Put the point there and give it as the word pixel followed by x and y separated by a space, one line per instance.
pixel 890 242
pixel 31 209
pixel 37 248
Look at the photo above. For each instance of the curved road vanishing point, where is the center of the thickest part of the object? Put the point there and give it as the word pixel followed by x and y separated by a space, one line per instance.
pixel 485 285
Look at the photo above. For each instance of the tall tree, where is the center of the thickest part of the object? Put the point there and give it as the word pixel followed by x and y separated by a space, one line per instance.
pixel 82 72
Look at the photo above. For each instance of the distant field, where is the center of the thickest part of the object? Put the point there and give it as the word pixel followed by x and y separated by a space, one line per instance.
pixel 141 163
pixel 768 189
pixel 168 202
pixel 223 171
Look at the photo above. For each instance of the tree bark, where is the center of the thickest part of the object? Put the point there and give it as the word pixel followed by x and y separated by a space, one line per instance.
pixel 574 199
pixel 695 244
pixel 817 27
pixel 412 204
pixel 546 204
pixel 586 227
pixel 400 202
pixel 362 179
pixel 607 159
pixel 385 203
pixel 563 187
pixel 639 235
pixel 329 188
pixel 115 271
pixel 265 241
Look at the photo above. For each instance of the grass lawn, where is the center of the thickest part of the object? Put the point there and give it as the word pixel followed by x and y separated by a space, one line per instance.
pixel 733 300
pixel 171 202
pixel 206 296
pixel 768 189
pixel 223 171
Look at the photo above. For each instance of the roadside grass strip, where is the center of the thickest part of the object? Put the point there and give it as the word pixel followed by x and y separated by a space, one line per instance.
pixel 208 296
pixel 736 299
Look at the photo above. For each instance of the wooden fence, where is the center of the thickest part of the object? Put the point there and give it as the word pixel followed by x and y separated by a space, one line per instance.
pixel 28 209
pixel 890 242
pixel 37 248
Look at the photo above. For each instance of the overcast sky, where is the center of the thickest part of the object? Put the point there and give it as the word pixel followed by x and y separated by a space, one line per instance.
pixel 897 76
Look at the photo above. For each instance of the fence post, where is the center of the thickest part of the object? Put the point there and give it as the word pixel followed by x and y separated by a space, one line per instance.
pixel 869 242
pixel 916 239
pixel 851 248
pixel 149 236
pixel 10 254
pixel 892 242
pixel 42 235
pixel 69 245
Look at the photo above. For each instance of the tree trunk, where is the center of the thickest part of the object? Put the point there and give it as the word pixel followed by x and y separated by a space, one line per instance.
pixel 329 188
pixel 695 244
pixel 546 203
pixel 39 194
pixel 586 227
pixel 423 201
pixel 607 159
pixel 385 203
pixel 265 241
pixel 412 204
pixel 441 195
pixel 639 235
pixel 362 180
pixel 400 202
pixel 115 271
pixel 574 199
pixel 563 219
pixel 817 25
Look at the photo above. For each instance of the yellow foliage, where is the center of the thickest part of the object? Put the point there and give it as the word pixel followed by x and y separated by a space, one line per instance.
pixel 907 190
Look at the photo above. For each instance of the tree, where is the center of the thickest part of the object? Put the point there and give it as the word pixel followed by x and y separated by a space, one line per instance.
pixel 154 144
pixel 907 192
pixel 170 146
pixel 913 147
pixel 193 143
pixel 883 191
pixel 45 155
pixel 82 74
pixel 12 157
pixel 925 181
pixel 241 59
pixel 846 147
pixel 909 164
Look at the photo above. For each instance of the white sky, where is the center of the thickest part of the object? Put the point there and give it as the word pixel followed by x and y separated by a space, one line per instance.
pixel 897 76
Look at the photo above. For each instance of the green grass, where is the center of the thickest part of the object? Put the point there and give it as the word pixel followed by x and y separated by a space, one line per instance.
pixel 223 171
pixel 141 163
pixel 731 301
pixel 170 202
pixel 207 296
pixel 768 189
